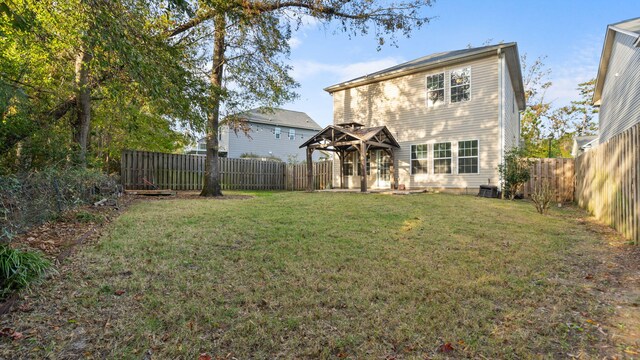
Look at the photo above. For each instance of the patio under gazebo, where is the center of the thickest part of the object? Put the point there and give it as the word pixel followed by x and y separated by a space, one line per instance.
pixel 344 139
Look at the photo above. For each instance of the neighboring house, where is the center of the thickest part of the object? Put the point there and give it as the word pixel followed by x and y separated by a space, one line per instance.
pixel 617 89
pixel 277 134
pixel 583 144
pixel 453 114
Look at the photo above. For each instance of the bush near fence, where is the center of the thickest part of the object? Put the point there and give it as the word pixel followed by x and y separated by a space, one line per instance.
pixel 30 199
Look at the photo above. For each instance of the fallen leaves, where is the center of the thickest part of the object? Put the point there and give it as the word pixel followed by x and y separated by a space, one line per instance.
pixel 445 348
pixel 119 292
pixel 11 334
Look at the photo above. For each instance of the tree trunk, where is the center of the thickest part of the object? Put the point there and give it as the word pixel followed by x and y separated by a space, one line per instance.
pixel 211 166
pixel 83 105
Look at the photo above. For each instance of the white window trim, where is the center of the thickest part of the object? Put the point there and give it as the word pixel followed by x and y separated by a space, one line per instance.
pixel 451 87
pixel 292 134
pixel 444 88
pixel 411 159
pixel 458 157
pixel 433 156
pixel 277 132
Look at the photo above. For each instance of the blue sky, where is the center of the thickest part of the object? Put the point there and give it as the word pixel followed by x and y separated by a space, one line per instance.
pixel 569 33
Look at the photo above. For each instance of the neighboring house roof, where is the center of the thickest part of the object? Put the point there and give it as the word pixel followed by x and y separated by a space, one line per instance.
pixel 584 140
pixel 281 117
pixel 628 27
pixel 443 59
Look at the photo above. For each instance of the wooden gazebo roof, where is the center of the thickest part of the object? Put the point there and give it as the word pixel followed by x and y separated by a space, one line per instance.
pixel 347 137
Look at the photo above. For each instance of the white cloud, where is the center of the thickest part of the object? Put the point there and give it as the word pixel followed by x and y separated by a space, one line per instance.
pixel 580 67
pixel 341 72
pixel 294 42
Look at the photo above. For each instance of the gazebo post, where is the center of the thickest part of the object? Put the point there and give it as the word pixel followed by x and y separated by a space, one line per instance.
pixel 341 159
pixel 363 166
pixel 309 169
pixel 392 169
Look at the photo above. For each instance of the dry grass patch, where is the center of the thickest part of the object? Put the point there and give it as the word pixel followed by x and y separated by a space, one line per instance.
pixel 307 275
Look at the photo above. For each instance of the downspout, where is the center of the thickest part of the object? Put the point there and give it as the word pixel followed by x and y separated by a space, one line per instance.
pixel 500 109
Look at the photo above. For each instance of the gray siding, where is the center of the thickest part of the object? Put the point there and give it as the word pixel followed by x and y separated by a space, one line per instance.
pixel 620 100
pixel 261 141
pixel 400 104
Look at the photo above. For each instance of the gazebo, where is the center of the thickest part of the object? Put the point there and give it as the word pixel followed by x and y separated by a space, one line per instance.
pixel 343 139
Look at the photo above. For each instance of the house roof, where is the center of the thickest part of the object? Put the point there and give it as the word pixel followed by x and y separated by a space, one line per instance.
pixel 584 140
pixel 281 117
pixel 443 59
pixel 628 27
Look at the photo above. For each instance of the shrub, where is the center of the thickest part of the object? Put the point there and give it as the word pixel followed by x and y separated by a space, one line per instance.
pixel 19 268
pixel 542 196
pixel 30 199
pixel 514 172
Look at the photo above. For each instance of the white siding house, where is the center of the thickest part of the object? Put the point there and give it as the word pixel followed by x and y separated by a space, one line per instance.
pixel 618 83
pixel 454 115
pixel 271 134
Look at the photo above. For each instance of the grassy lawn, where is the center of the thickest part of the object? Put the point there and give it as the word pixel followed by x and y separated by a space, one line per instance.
pixel 299 275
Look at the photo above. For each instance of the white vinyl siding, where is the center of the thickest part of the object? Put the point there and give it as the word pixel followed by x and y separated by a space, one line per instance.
pixel 399 104
pixel 619 109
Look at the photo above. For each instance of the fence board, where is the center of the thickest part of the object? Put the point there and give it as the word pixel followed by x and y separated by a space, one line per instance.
pixel 559 173
pixel 607 182
pixel 186 172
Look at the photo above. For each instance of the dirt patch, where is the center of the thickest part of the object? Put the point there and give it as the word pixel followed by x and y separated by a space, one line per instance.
pixel 616 282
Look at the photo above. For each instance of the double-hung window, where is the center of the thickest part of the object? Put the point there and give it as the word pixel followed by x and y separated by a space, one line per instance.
pixel 468 157
pixel 442 158
pixel 277 132
pixel 419 155
pixel 435 90
pixel 460 85
pixel 292 134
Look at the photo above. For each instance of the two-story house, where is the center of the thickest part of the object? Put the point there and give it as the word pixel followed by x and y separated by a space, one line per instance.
pixel 454 115
pixel 275 134
pixel 617 89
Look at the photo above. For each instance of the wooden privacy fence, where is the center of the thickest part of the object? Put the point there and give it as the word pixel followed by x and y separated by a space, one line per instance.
pixel 607 182
pixel 143 170
pixel 297 176
pixel 560 175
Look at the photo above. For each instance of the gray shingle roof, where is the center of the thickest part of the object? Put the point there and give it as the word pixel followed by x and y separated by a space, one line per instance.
pixel 282 117
pixel 442 59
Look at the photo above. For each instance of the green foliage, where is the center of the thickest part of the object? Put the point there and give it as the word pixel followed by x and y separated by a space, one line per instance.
pixel 256 156
pixel 514 172
pixel 548 131
pixel 19 268
pixel 133 103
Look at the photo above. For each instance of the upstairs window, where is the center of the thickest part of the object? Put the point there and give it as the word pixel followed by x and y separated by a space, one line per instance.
pixel 442 158
pixel 292 134
pixel 468 157
pixel 277 132
pixel 435 90
pixel 460 85
pixel 419 155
